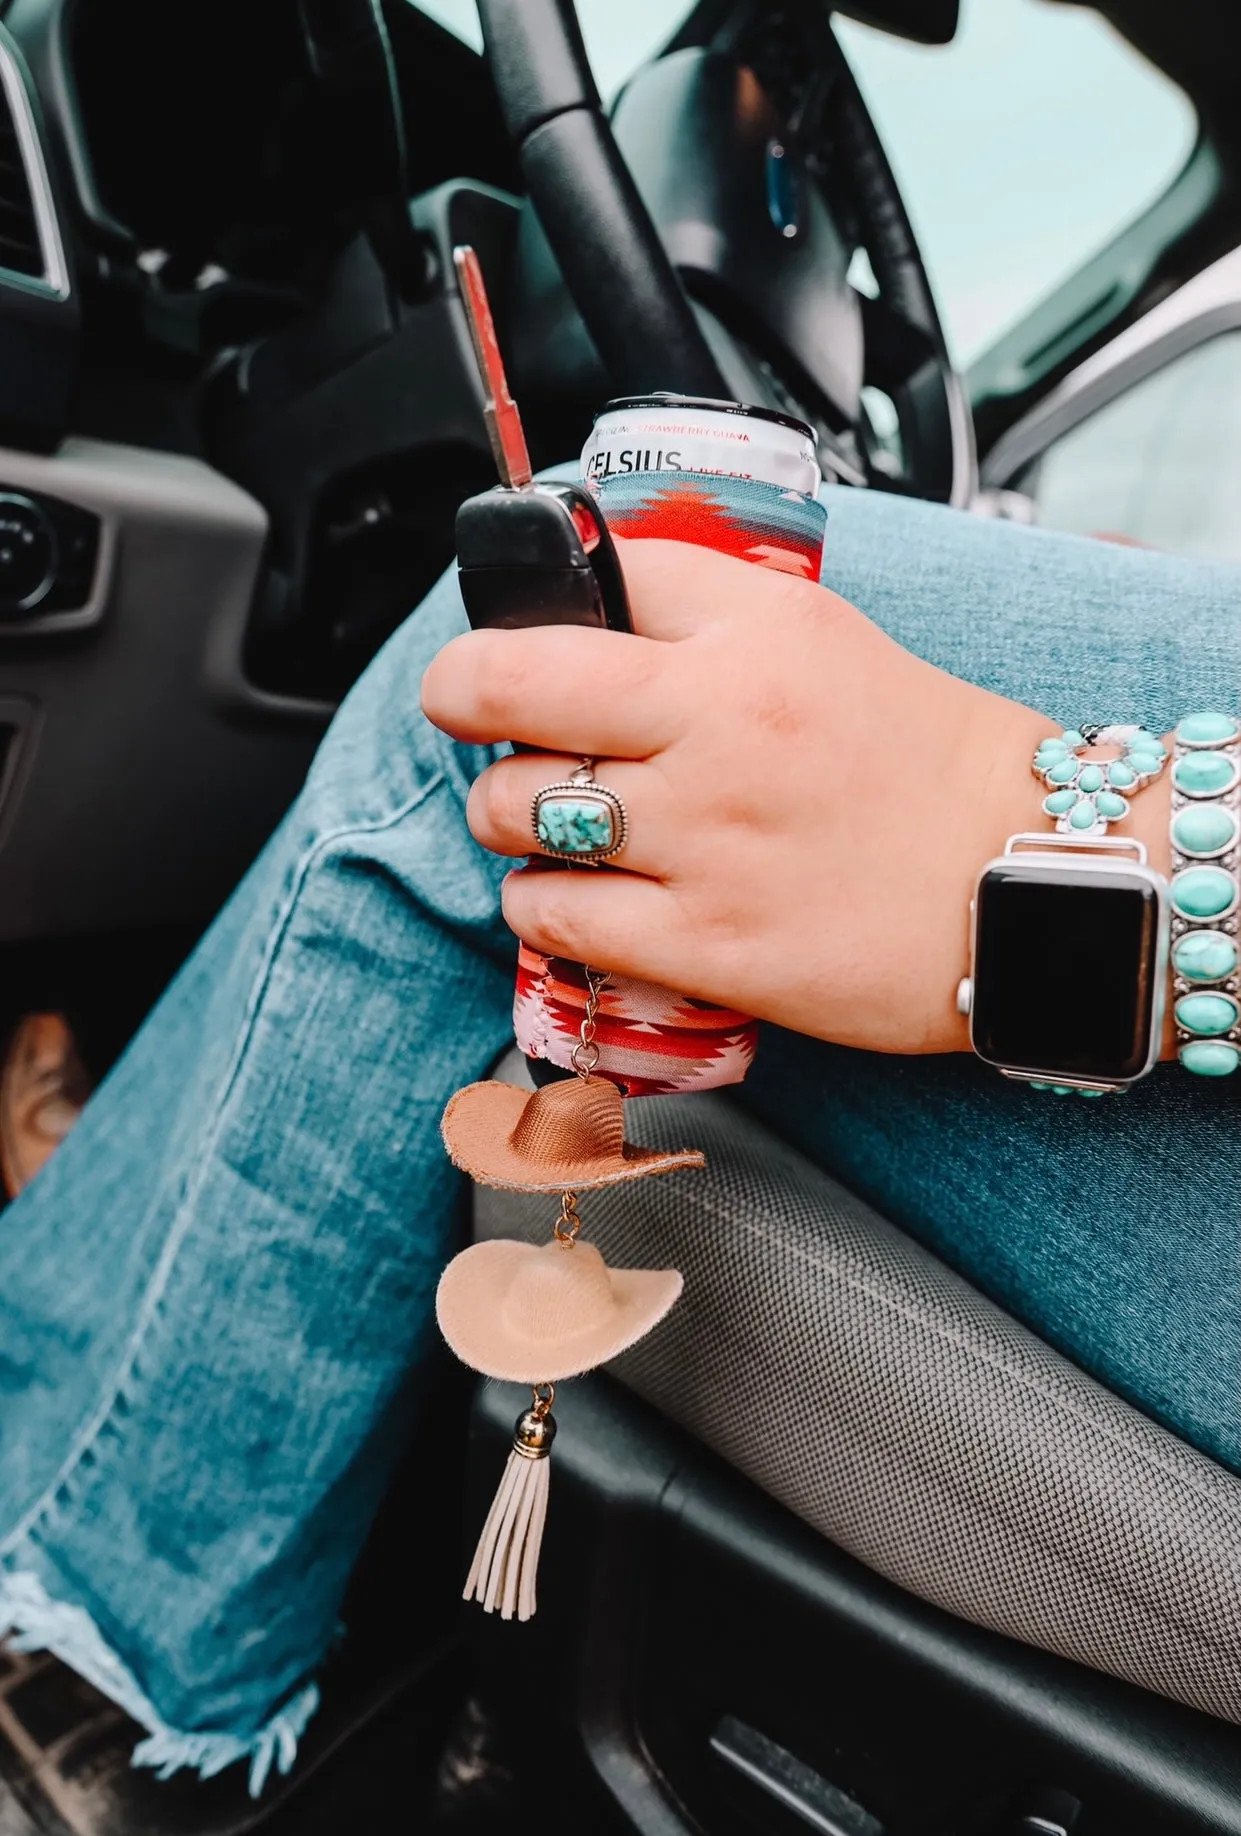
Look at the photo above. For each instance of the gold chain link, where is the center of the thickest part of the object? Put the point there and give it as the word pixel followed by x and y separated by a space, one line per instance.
pixel 585 1054
pixel 585 1057
pixel 569 1223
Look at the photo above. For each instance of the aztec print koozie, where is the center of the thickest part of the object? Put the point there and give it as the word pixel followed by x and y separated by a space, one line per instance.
pixel 743 517
pixel 650 1041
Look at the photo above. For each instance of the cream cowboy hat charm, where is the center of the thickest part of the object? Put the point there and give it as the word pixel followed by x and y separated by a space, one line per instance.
pixel 536 1314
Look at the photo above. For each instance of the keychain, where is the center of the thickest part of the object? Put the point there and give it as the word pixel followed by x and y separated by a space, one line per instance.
pixel 538 1314
pixel 530 554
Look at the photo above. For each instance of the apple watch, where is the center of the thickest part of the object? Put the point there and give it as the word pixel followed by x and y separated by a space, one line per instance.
pixel 1068 963
pixel 1070 932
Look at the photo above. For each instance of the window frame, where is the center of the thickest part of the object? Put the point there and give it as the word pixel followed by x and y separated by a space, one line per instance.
pixel 1201 310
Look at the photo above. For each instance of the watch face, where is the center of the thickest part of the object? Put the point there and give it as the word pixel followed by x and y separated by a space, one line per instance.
pixel 1066 969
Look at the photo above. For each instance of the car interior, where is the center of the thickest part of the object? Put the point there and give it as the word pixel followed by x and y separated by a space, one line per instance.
pixel 844 1548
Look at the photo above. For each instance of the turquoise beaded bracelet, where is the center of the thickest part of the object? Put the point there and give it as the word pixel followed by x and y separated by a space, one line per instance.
pixel 1206 892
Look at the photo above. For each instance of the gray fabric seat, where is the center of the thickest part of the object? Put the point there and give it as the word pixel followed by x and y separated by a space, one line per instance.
pixel 896 1410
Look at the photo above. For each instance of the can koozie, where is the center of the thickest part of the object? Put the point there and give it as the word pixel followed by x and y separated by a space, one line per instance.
pixel 741 481
pixel 743 517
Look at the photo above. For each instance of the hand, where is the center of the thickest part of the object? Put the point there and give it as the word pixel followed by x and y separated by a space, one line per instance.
pixel 809 805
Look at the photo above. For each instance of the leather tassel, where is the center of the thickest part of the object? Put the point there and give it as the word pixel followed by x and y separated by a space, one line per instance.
pixel 505 1567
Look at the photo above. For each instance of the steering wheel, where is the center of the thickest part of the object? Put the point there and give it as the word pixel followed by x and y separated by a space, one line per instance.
pixel 706 232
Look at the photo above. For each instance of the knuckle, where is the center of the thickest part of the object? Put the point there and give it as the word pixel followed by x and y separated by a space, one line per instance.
pixel 558 917
pixel 503 807
pixel 776 710
pixel 735 811
pixel 729 930
pixel 721 925
pixel 567 922
pixel 647 666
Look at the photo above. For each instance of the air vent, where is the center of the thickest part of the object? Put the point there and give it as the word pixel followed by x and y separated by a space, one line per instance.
pixel 20 249
pixel 30 246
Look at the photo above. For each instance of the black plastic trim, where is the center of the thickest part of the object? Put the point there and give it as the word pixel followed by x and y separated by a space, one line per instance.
pixel 39 317
pixel 672 1593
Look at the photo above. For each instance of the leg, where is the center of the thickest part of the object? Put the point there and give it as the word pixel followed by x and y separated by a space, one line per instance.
pixel 1110 1228
pixel 217 1295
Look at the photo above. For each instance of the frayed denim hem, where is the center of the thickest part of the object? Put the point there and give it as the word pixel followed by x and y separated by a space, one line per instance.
pixel 70 1634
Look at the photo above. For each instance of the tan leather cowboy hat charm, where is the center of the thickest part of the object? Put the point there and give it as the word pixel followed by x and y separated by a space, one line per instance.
pixel 537 1314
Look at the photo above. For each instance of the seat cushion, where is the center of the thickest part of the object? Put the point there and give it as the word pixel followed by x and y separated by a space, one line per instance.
pixel 895 1409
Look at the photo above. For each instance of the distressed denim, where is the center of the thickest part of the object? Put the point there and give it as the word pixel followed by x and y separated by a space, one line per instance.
pixel 216 1301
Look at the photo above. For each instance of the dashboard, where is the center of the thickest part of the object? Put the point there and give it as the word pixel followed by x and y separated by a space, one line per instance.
pixel 231 449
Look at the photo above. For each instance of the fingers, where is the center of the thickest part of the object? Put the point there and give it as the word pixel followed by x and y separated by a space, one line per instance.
pixel 501 815
pixel 676 589
pixel 574 690
pixel 614 919
pixel 562 688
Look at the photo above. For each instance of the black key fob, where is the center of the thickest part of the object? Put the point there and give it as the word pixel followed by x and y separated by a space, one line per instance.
pixel 539 554
pixel 527 553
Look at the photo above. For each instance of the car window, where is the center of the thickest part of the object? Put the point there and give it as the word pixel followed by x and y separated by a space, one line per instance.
pixel 1161 464
pixel 1021 149
pixel 621 35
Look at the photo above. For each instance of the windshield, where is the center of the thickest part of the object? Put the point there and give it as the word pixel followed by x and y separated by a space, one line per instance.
pixel 1020 150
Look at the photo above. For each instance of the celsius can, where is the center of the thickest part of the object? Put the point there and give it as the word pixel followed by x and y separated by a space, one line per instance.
pixel 684 433
pixel 743 481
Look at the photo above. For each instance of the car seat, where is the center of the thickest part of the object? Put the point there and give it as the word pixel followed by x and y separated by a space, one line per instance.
pixel 899 1417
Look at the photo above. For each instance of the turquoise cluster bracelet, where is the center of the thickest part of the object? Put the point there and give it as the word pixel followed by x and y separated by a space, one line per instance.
pixel 1206 859
pixel 1085 796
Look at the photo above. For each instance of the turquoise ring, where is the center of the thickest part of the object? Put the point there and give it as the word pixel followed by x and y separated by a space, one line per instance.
pixel 579 820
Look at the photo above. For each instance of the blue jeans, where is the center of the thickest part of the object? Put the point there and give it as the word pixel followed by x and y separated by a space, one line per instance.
pixel 217 1299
